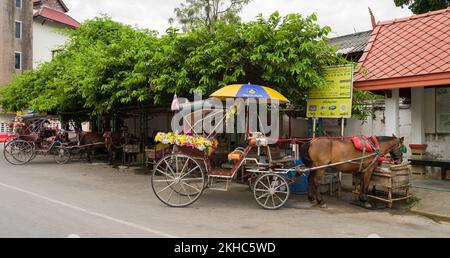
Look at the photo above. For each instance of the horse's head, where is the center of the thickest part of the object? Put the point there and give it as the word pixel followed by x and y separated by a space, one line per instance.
pixel 398 149
pixel 62 135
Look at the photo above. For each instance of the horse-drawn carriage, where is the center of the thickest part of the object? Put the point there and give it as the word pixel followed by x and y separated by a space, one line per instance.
pixel 181 177
pixel 37 137
pixel 32 137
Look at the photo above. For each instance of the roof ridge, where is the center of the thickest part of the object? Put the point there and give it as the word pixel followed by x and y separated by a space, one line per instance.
pixel 352 34
pixel 414 16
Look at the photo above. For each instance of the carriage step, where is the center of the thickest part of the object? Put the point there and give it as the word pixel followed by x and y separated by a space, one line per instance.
pixel 218 184
pixel 221 173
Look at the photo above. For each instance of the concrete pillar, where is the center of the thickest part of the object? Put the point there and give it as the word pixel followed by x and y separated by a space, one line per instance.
pixel 417 115
pixel 392 113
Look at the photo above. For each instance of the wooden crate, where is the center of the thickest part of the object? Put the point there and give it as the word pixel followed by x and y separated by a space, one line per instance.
pixel 331 184
pixel 389 183
pixel 153 154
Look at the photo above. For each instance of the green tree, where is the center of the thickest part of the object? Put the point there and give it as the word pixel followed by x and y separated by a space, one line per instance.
pixel 286 53
pixel 195 13
pixel 423 6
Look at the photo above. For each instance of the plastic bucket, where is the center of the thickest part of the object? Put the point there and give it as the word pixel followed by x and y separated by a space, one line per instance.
pixel 300 186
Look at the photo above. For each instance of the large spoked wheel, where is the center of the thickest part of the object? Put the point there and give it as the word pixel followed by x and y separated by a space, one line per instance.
pixel 178 180
pixel 19 152
pixel 271 191
pixel 61 155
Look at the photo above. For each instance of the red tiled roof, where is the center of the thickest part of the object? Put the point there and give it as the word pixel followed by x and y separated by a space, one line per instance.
pixel 57 16
pixel 408 52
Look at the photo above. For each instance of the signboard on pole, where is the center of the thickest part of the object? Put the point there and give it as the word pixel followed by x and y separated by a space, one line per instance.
pixel 334 100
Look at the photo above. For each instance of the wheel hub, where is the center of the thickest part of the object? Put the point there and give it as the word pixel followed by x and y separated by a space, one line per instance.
pixel 271 191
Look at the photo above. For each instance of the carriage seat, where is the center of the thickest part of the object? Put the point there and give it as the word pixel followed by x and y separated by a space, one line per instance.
pixel 236 155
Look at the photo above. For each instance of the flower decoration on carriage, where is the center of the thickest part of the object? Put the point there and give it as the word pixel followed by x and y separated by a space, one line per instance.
pixel 165 138
pixel 198 142
pixel 18 127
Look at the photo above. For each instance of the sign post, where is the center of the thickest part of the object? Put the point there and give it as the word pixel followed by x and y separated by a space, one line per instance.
pixel 334 100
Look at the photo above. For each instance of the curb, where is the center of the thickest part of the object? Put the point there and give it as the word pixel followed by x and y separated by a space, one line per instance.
pixel 433 216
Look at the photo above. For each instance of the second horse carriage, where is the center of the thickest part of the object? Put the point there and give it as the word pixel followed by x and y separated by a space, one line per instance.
pixel 32 137
pixel 39 136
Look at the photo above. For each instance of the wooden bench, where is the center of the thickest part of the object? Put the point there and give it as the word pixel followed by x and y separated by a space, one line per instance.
pixel 443 164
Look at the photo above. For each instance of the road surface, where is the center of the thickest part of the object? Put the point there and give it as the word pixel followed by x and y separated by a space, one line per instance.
pixel 43 199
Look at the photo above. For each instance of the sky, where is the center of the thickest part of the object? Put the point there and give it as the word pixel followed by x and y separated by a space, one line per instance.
pixel 343 16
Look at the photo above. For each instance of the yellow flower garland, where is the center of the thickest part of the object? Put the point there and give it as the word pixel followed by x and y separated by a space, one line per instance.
pixel 198 142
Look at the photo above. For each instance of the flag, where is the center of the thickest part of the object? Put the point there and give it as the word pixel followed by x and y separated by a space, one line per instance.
pixel 175 103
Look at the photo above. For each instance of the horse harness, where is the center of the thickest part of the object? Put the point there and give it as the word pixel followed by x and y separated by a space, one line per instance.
pixel 375 147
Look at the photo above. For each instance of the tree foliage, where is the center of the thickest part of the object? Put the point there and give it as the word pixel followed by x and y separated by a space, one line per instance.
pixel 194 13
pixel 423 6
pixel 107 64
pixel 94 72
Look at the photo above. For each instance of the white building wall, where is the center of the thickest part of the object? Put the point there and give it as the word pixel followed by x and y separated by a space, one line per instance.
pixel 46 38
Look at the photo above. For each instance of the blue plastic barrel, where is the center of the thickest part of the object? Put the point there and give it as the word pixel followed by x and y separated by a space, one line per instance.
pixel 301 185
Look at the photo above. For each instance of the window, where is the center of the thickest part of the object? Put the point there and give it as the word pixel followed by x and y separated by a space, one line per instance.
pixel 19 3
pixel 443 110
pixel 18 29
pixel 18 60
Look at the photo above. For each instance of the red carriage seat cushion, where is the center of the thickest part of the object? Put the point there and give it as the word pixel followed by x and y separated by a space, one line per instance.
pixel 357 142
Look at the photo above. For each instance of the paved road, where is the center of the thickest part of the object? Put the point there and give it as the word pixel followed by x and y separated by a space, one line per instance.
pixel 43 199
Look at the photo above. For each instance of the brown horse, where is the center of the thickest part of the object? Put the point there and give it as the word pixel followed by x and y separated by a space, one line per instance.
pixel 93 142
pixel 325 151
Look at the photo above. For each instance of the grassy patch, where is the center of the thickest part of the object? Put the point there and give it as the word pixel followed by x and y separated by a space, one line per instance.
pixel 412 202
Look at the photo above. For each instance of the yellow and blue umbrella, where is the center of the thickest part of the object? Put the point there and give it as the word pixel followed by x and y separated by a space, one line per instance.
pixel 249 91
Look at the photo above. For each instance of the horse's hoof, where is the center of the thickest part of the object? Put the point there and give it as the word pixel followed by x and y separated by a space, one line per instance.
pixel 323 206
pixel 367 205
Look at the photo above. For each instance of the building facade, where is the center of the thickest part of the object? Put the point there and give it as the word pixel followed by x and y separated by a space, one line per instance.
pixel 30 34
pixel 50 17
pixel 16 27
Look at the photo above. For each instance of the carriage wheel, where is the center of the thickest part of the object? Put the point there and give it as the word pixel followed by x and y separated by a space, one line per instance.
pixel 271 191
pixel 61 155
pixel 19 152
pixel 178 180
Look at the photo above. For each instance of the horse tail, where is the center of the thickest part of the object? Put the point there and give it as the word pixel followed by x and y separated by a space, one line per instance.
pixel 304 154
